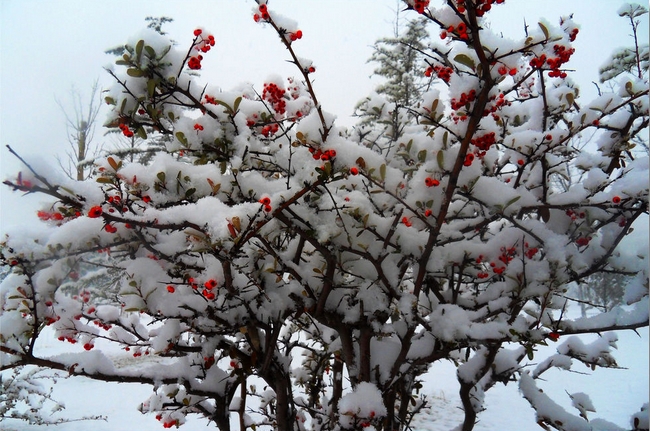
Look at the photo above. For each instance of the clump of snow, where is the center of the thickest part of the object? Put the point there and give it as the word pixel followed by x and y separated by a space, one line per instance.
pixel 363 403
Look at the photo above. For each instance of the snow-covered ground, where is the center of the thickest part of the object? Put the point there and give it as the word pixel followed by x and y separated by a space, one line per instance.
pixel 616 394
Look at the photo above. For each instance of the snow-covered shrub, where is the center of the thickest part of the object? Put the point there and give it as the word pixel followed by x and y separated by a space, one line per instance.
pixel 268 246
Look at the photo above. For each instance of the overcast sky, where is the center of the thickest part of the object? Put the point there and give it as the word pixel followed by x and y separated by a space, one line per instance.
pixel 49 47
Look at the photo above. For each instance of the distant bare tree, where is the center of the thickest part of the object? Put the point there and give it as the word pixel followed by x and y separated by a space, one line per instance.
pixel 81 128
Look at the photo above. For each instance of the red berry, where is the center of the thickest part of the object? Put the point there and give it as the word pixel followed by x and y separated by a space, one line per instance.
pixel 354 170
pixel 198 32
pixel 95 212
pixel 616 200
pixel 265 200
pixel 170 289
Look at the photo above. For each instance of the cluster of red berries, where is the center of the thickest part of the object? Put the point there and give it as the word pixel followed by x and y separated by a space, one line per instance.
pixel 138 353
pixel 503 70
pixel 574 216
pixel 250 122
pixel 194 63
pixel 431 182
pixel 499 102
pixel 170 423
pixel 208 362
pixel 406 221
pixel 469 158
pixel 443 72
pixel 583 241
pixel 270 129
pixel 67 338
pixel 484 142
pixel 110 228
pixel 201 43
pixel 326 155
pixel 275 95
pixel 266 202
pixel 563 55
pixel 116 203
pixel 294 35
pixel 125 130
pixel 207 291
pixel 573 34
pixel 198 127
pixel 465 99
pixel 530 252
pixel 49 319
pixel 459 30
pixel 482 6
pixel 45 216
pixel 210 100
pixel 23 183
pixel 104 326
pixel 420 5
pixel 263 14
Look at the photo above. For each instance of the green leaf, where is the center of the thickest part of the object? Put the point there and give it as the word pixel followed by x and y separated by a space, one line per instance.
pixel 570 98
pixel 109 100
pixel 151 87
pixel 511 201
pixel 136 73
pixel 434 106
pixel 104 180
pixel 441 159
pixel 161 176
pixel 382 171
pixel 225 105
pixel 236 105
pixel 181 137
pixel 544 30
pixel 138 50
pixel 141 132
pixel 171 116
pixel 422 155
pixel 190 192
pixel 116 166
pixel 445 137
pixel 465 60
pixel 151 53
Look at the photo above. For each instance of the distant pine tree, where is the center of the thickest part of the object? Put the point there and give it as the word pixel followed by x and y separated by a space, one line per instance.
pixel 400 62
